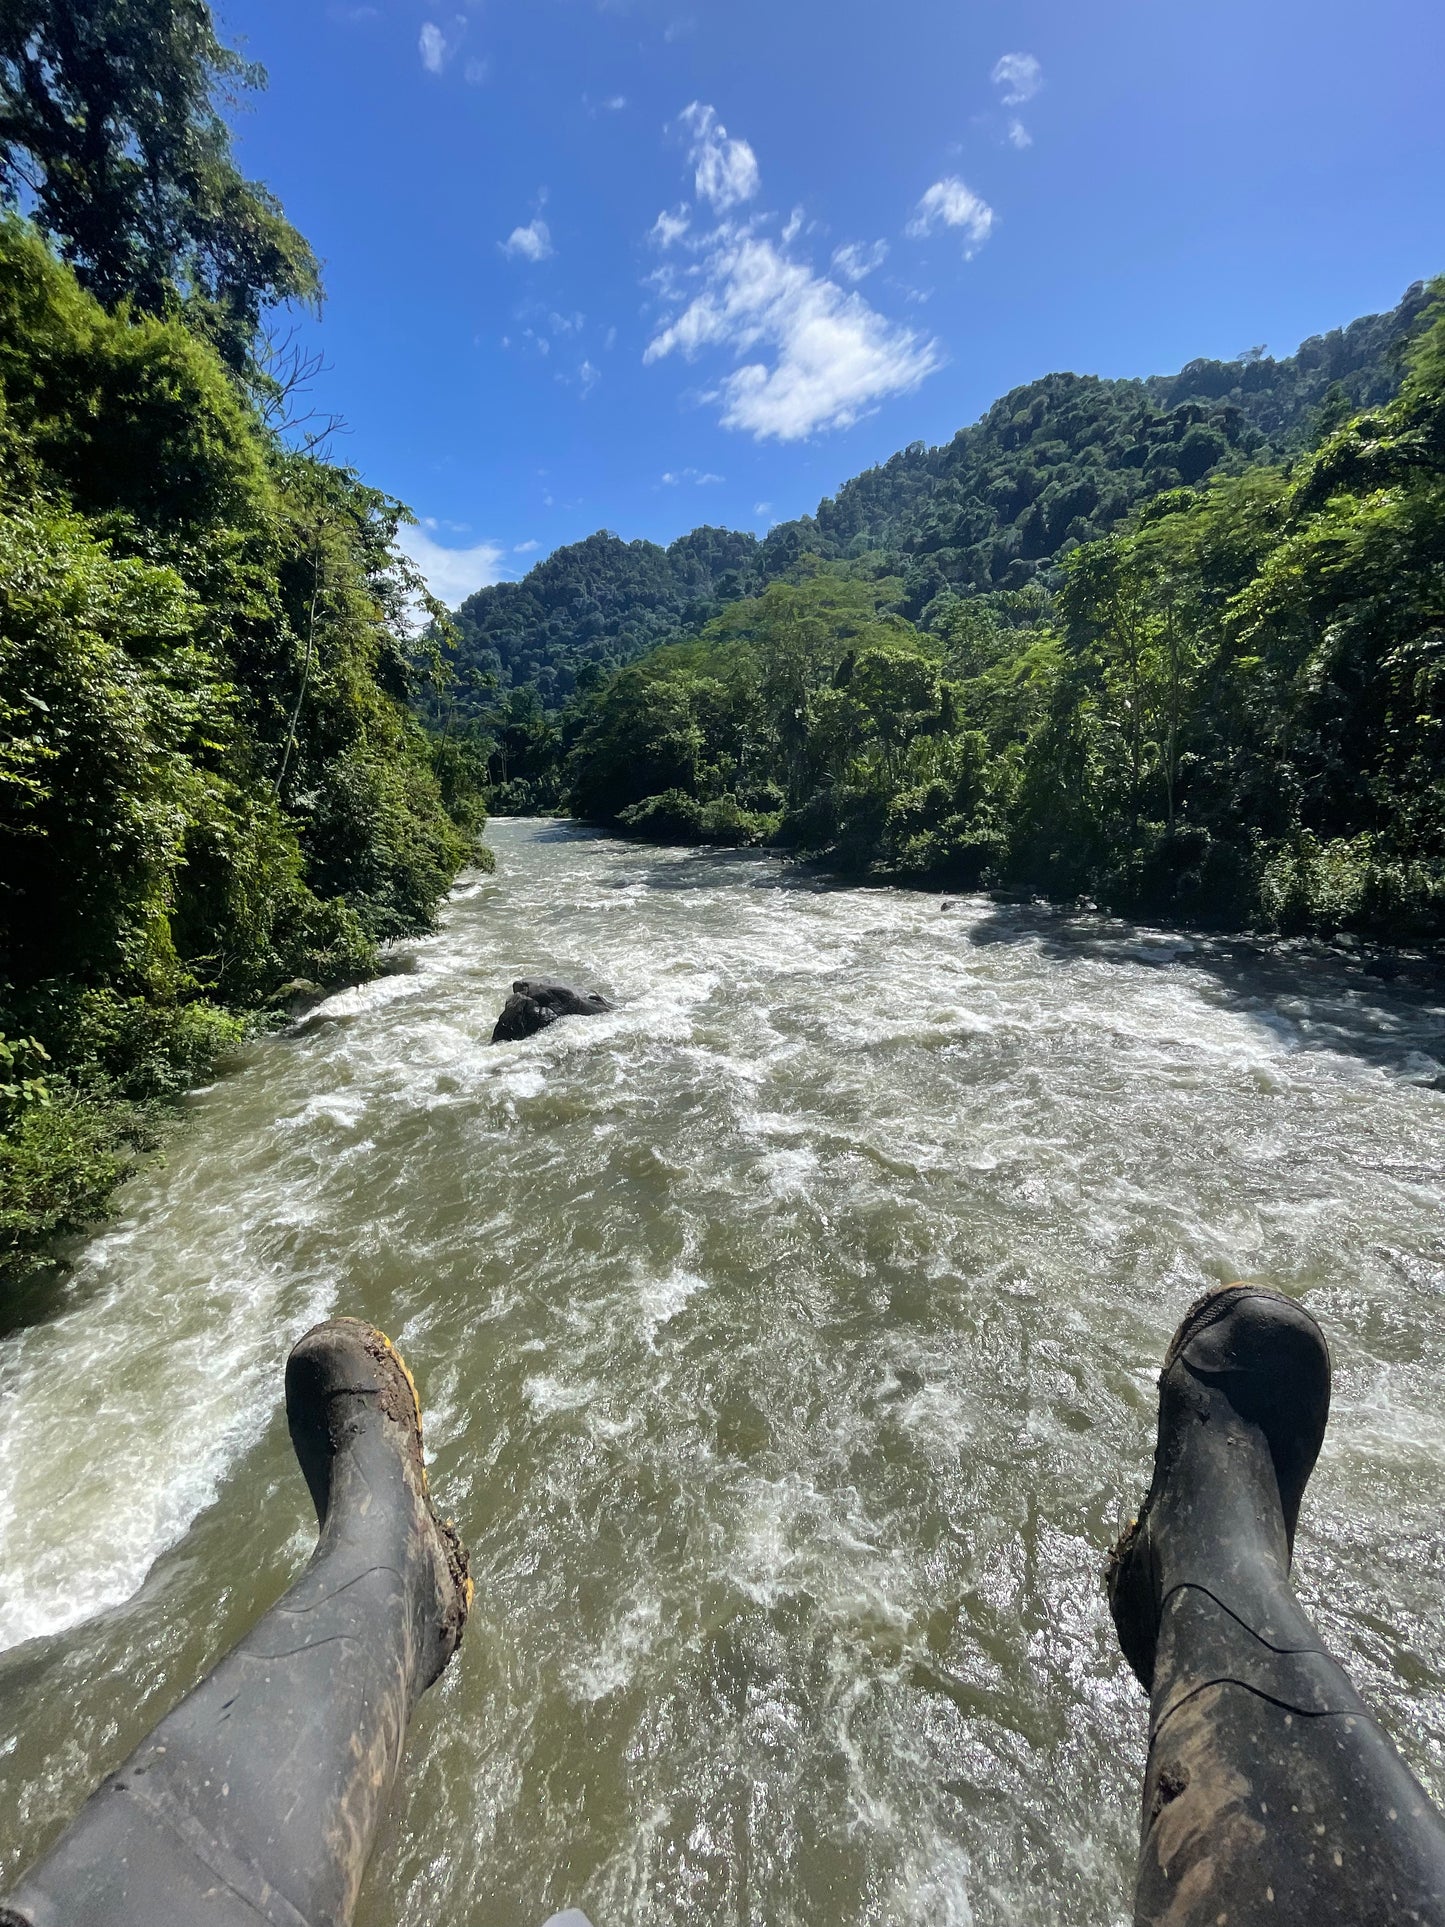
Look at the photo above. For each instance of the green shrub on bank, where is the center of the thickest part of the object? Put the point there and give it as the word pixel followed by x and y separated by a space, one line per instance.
pixel 675 817
pixel 1313 888
pixel 59 1163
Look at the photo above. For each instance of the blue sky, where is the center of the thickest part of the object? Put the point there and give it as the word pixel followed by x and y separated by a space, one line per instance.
pixel 640 264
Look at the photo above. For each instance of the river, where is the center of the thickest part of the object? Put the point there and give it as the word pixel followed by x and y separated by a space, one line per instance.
pixel 788 1342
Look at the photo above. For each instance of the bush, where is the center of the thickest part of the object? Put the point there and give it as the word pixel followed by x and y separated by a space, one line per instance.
pixel 724 820
pixel 672 817
pixel 59 1163
pixel 1312 888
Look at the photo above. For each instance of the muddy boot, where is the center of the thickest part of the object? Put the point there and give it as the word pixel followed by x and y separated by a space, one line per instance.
pixel 1270 1794
pixel 257 1798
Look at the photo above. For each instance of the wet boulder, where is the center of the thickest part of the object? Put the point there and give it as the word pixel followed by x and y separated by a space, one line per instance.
pixel 535 1003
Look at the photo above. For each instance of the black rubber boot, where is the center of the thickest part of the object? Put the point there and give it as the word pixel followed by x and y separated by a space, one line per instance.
pixel 1270 1794
pixel 257 1798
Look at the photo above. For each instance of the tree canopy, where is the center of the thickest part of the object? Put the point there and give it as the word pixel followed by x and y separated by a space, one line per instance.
pixel 113 139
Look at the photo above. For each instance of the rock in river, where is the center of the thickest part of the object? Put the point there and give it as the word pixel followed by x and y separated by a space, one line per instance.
pixel 534 1004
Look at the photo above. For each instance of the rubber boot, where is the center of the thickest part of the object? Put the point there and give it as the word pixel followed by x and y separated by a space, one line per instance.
pixel 258 1797
pixel 1270 1795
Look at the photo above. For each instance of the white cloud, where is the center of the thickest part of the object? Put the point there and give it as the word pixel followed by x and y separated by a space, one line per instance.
pixel 532 242
pixel 950 203
pixel 762 508
pixel 615 104
pixel 475 72
pixel 432 43
pixel 588 377
pixel 1019 135
pixel 668 228
pixel 450 574
pixel 525 548
pixel 698 477
pixel 726 171
pixel 1020 76
pixel 833 357
pixel 858 261
pixel 566 324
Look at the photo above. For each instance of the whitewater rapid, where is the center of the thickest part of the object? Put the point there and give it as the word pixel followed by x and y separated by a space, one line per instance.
pixel 788 1339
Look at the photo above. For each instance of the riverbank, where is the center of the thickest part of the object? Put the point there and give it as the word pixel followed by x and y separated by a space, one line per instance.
pixel 1420 966
pixel 78 1119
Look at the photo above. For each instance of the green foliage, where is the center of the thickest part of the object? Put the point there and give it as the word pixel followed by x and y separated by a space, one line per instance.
pixel 59 1164
pixel 601 602
pixel 1231 708
pixel 212 783
pixel 111 131
pixel 677 817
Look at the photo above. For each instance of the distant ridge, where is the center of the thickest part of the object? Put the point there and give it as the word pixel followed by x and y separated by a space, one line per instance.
pixel 1057 462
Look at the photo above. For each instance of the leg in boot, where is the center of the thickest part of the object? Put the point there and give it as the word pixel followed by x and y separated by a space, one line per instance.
pixel 257 1798
pixel 1270 1794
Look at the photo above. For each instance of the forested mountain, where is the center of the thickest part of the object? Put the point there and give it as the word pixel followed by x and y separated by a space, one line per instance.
pixel 1056 463
pixel 1230 708
pixel 212 780
pixel 602 600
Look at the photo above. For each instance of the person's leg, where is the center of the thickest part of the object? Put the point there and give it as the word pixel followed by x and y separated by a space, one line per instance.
pixel 1270 1794
pixel 257 1798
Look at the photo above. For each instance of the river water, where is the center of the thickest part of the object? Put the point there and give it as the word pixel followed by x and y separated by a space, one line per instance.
pixel 788 1342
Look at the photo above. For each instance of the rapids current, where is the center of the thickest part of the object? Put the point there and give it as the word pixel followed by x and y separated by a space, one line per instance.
pixel 787 1340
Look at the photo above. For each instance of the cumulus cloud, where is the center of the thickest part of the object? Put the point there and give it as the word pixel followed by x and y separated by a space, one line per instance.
pixel 857 261
pixel 668 228
pixel 530 243
pixel 451 574
pixel 951 203
pixel 830 357
pixel 725 171
pixel 1019 77
pixel 810 354
pixel 432 43
pixel 1019 135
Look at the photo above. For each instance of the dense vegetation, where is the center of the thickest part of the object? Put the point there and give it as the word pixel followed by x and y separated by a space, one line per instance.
pixel 213 788
pixel 1231 708
pixel 1055 464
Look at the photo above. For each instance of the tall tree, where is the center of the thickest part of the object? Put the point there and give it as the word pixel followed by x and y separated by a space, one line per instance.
pixel 113 138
